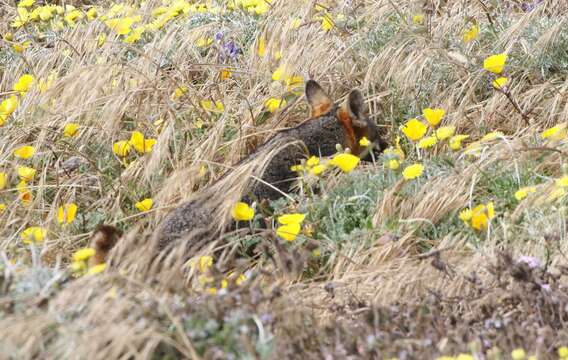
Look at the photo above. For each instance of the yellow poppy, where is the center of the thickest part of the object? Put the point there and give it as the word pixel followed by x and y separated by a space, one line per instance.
pixel 242 212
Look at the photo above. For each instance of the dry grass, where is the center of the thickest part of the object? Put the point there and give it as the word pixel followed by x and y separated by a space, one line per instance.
pixel 407 243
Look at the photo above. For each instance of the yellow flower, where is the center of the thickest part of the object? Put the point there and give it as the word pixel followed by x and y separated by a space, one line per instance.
pixel 412 171
pixel 242 212
pixel 26 3
pixel 135 35
pixel 33 234
pixel 555 133
pixel 294 81
pixel 455 141
pixel 274 104
pixel 562 182
pixel 179 92
pixel 491 136
pixel 471 34
pixel 225 74
pixel 563 352
pixel 66 213
pixel 296 168
pixel 279 73
pixel 22 18
pixel 495 63
pixel 203 263
pixel 141 144
pixel 73 15
pixel 19 48
pixel 524 192
pixel 203 42
pixel 326 22
pixel 466 215
pixel 261 47
pixel 289 232
pixel 212 107
pixel 45 12
pixel 500 83
pixel 478 217
pixel 346 162
pixel 295 218
pixel 24 152
pixel 3 180
pixel 26 173
pixel 121 148
pixel 445 132
pixel 144 205
pixel 433 116
pixel 312 161
pixel 393 164
pixel 317 170
pixel 70 129
pixel 83 254
pixel 414 129
pixel 78 267
pixel 240 279
pixel 418 19
pixel 427 142
pixel 24 83
pixel 92 14
pixel 518 354
pixel 2 207
pixel 364 142
pixel 9 105
pixel 120 26
pixel 25 194
pixel 97 269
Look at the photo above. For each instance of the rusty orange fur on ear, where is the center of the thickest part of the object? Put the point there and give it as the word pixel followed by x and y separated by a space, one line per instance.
pixel 320 109
pixel 320 102
pixel 347 124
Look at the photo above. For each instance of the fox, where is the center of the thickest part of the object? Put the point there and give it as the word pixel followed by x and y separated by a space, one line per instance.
pixel 329 126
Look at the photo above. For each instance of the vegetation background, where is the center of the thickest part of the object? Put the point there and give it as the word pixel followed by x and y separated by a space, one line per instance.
pixel 127 109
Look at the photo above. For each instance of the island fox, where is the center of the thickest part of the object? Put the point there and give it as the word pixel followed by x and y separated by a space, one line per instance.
pixel 329 125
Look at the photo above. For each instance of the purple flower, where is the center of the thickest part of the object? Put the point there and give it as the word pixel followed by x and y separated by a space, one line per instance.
pixel 531 261
pixel 530 6
pixel 219 36
pixel 229 49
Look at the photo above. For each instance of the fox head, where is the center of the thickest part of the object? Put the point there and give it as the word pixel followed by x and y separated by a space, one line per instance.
pixel 352 115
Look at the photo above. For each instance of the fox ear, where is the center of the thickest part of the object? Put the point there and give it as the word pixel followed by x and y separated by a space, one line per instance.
pixel 356 108
pixel 320 102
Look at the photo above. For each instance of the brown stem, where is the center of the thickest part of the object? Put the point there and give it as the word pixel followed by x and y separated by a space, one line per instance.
pixel 516 106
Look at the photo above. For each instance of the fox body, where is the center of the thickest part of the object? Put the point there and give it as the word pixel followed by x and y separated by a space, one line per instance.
pixel 329 125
